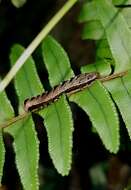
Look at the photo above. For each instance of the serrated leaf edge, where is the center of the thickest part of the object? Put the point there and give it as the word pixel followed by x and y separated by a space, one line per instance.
pixel 116 116
pixel 21 173
pixel 51 147
pixel 3 156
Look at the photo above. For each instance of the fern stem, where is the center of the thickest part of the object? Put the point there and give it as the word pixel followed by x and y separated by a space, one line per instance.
pixel 34 44
pixel 14 119
pixel 113 76
pixel 25 114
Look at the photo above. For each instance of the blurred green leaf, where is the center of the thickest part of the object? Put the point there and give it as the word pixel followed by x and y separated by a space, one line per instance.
pixel 87 12
pixel 103 52
pixel 127 15
pixel 18 3
pixel 117 33
pixel 115 28
pixel 93 30
pixel 122 2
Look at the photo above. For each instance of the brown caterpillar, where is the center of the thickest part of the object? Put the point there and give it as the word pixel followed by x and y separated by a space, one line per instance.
pixel 70 86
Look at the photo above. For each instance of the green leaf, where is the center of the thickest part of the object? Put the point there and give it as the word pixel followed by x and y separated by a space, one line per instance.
pixel 93 30
pixel 6 110
pixel 102 67
pixel 2 155
pixel 26 148
pixel 59 126
pixel 117 33
pixel 87 12
pixel 122 2
pixel 96 102
pixel 6 113
pixel 103 51
pixel 27 82
pixel 120 90
pixel 56 61
pixel 18 3
pixel 127 15
pixel 59 69
pixel 26 143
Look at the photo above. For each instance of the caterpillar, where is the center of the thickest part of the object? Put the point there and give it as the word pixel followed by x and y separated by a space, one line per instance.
pixel 70 86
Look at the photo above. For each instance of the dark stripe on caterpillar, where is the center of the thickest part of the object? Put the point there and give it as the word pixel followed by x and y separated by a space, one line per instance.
pixel 75 84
